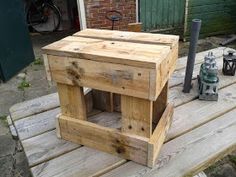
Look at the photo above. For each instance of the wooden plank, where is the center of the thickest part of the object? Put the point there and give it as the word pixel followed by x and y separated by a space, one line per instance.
pixel 196 113
pixel 105 139
pixel 135 27
pixel 45 147
pixel 190 153
pixel 34 106
pixel 146 38
pixel 102 76
pixel 72 101
pixel 132 54
pixel 137 116
pixel 158 137
pixel 36 124
pixel 81 162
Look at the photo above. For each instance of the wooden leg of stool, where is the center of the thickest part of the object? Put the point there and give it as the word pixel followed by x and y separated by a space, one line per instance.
pixel 72 101
pixel 136 116
pixel 160 104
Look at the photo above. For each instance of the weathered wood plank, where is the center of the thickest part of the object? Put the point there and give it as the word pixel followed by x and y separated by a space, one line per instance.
pixel 106 139
pixel 136 116
pixel 120 79
pixel 34 106
pixel 190 153
pixel 81 162
pixel 196 113
pixel 125 53
pixel 72 101
pixel 146 38
pixel 45 147
pixel 158 137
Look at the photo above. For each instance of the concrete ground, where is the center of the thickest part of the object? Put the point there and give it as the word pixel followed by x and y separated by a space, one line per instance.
pixel 31 83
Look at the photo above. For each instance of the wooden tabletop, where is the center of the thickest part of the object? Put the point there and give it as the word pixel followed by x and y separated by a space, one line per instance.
pixel 202 132
pixel 129 48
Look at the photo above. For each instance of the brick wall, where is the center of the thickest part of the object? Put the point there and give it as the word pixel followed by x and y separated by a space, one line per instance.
pixel 96 12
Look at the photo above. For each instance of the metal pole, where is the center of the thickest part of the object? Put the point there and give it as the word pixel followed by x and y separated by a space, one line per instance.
pixel 195 29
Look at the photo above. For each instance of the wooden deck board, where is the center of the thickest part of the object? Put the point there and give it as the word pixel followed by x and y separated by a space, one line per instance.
pixel 47 159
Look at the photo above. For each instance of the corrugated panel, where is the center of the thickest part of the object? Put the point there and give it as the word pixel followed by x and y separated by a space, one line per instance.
pixel 162 14
pixel 218 16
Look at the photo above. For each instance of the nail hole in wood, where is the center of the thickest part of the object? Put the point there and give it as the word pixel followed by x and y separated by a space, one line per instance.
pixel 76 49
pixel 130 127
pixel 139 74
pixel 142 129
pixel 123 87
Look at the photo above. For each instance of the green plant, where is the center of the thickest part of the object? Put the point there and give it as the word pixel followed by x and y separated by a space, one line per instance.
pixel 38 61
pixel 3 119
pixel 24 84
pixel 232 158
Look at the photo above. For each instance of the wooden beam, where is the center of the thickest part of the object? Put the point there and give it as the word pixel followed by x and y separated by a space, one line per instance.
pixel 136 116
pixel 158 137
pixel 103 100
pixel 105 139
pixel 72 101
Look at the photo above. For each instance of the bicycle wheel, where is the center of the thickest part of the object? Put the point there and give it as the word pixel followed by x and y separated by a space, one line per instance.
pixel 46 18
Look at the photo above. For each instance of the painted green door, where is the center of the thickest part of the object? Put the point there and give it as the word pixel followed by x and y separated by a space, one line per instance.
pixel 218 16
pixel 158 15
pixel 16 49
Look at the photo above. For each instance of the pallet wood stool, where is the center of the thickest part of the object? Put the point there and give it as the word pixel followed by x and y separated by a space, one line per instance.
pixel 135 66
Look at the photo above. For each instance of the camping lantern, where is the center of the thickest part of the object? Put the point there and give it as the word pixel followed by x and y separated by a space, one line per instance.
pixel 229 64
pixel 208 79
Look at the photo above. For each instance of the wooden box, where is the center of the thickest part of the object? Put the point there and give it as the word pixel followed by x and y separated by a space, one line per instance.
pixel 126 69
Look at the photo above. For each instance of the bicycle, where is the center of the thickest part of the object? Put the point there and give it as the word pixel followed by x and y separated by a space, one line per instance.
pixel 43 15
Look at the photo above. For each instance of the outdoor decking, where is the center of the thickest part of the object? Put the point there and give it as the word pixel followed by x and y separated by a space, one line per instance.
pixel 201 133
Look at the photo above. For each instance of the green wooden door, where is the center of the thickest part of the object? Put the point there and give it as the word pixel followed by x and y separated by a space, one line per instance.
pixel 16 50
pixel 157 15
pixel 218 16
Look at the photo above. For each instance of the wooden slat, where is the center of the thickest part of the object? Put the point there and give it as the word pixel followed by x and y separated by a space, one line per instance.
pixel 190 153
pixel 132 54
pixel 146 38
pixel 158 137
pixel 81 162
pixel 34 106
pixel 45 146
pixel 102 76
pixel 72 101
pixel 136 116
pixel 103 100
pixel 105 139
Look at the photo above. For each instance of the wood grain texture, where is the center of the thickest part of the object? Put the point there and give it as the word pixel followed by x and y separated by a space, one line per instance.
pixel 196 113
pixel 103 100
pixel 105 139
pixel 131 54
pixel 45 147
pixel 136 116
pixel 146 38
pixel 81 162
pixel 190 153
pixel 158 137
pixel 72 101
pixel 102 76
